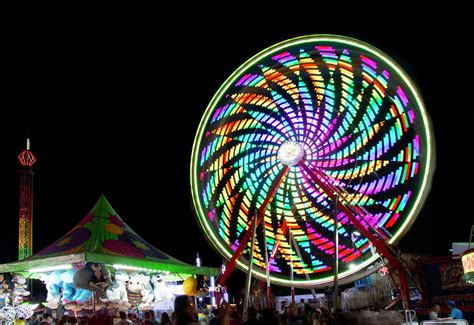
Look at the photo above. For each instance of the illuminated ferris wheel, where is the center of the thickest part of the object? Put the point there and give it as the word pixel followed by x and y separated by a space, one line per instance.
pixel 306 125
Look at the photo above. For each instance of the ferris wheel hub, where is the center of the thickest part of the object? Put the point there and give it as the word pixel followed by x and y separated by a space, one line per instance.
pixel 290 153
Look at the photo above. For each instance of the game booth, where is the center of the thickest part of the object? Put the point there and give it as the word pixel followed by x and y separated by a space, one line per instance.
pixel 444 279
pixel 101 264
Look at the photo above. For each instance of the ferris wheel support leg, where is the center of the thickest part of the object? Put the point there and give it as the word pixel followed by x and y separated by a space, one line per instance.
pixel 404 290
pixel 218 299
pixel 258 219
pixel 379 244
pixel 336 256
pixel 249 274
pixel 267 272
pixel 298 252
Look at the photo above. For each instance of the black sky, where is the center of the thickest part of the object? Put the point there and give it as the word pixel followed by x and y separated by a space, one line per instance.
pixel 114 110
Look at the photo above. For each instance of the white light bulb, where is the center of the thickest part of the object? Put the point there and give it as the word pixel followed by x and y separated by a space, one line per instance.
pixel 290 153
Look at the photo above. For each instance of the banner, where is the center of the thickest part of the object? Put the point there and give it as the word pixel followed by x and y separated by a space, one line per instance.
pixel 443 280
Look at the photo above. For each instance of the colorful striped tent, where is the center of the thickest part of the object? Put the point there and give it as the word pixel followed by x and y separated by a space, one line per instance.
pixel 103 237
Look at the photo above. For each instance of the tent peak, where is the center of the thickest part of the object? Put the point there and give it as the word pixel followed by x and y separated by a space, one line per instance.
pixel 103 237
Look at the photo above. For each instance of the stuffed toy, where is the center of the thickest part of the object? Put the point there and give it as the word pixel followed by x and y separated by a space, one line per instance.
pixel 140 295
pixel 23 312
pixel 5 283
pixel 3 300
pixel 53 283
pixel 117 292
pixel 147 294
pixel 160 289
pixel 190 286
pixel 82 295
pixel 8 314
pixel 93 277
pixel 134 286
pixel 71 293
pixel 203 287
pixel 68 288
pixel 19 289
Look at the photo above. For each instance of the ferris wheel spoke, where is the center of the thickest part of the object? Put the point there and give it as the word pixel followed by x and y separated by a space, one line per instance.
pixel 310 105
pixel 318 91
pixel 356 136
pixel 294 89
pixel 359 115
pixel 359 212
pixel 377 151
pixel 283 92
pixel 330 147
pixel 264 110
pixel 239 158
pixel 334 92
pixel 319 245
pixel 236 178
pixel 252 118
pixel 322 109
pixel 265 133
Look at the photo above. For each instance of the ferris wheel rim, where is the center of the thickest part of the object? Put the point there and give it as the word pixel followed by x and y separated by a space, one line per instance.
pixel 343 40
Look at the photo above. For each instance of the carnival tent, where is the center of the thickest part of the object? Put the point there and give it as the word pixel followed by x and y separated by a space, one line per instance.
pixel 103 237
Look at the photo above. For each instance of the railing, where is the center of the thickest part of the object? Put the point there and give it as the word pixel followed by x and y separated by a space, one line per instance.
pixel 445 322
pixel 410 316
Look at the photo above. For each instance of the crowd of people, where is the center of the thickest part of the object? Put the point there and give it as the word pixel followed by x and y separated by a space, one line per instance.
pixel 294 314
pixel 454 312
pixel 122 318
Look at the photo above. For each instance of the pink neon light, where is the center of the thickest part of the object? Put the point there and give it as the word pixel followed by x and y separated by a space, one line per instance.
pixel 243 79
pixel 325 48
pixel 368 61
pixel 402 96
pixel 211 215
pixel 281 55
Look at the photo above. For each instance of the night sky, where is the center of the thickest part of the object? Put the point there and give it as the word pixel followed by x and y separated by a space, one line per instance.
pixel 114 110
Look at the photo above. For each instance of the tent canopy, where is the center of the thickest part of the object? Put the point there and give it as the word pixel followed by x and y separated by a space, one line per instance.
pixel 103 237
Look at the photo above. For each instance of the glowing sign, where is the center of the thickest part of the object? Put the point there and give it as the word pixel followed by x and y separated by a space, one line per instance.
pixel 468 265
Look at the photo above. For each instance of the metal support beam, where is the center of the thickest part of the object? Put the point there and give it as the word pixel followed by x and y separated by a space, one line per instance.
pixel 319 178
pixel 267 270
pixel 290 237
pixel 258 219
pixel 336 256
pixel 249 272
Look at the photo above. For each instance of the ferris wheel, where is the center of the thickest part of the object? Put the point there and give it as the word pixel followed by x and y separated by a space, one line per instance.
pixel 307 125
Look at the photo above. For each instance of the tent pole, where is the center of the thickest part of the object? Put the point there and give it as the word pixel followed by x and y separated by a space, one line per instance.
pixel 198 264
pixel 93 303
